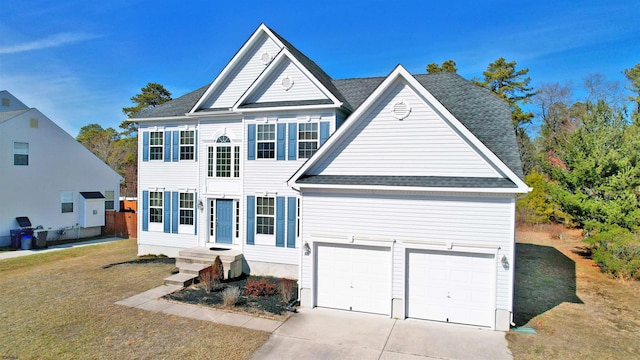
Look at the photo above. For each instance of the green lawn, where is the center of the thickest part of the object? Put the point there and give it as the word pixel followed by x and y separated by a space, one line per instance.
pixel 60 305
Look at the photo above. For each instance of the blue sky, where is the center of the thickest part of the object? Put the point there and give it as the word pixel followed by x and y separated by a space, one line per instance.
pixel 79 62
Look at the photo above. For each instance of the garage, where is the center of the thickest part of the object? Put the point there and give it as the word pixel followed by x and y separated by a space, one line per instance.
pixel 356 278
pixel 448 286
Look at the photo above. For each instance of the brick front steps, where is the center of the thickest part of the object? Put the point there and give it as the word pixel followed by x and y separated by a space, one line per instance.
pixel 191 261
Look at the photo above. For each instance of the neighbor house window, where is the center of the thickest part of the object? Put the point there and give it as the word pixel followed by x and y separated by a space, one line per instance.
pixel 307 140
pixel 155 145
pixel 109 203
pixel 20 153
pixel 6 102
pixel 66 201
pixel 187 148
pixel 266 139
pixel 155 206
pixel 265 215
pixel 186 208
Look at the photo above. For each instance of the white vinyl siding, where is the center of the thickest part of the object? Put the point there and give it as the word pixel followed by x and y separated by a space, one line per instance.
pixel 272 89
pixel 429 145
pixel 245 72
pixel 437 219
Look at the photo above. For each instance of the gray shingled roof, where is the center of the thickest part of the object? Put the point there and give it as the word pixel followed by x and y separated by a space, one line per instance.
pixel 175 107
pixel 410 181
pixel 487 116
pixel 8 115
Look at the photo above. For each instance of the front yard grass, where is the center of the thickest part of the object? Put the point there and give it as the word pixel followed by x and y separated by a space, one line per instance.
pixel 60 305
pixel 577 311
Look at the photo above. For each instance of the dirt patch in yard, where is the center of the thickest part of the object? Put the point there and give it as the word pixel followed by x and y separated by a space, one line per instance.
pixel 578 312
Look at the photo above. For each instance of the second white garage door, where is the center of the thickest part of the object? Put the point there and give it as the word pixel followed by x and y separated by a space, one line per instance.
pixel 450 287
pixel 354 278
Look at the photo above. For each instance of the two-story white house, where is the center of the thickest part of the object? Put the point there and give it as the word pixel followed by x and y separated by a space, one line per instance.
pixel 390 195
pixel 49 177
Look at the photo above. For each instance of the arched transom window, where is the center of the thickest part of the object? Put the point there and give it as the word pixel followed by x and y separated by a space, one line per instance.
pixel 224 159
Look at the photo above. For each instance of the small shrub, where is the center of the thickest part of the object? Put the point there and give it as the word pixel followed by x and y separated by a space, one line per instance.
pixel 616 250
pixel 261 287
pixel 286 289
pixel 230 296
pixel 206 278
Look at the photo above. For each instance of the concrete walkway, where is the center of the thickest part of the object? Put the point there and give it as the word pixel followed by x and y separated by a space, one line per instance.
pixel 149 300
pixel 19 253
pixel 333 334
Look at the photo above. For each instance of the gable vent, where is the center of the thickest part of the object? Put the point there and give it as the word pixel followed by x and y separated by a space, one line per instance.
pixel 266 58
pixel 401 110
pixel 287 83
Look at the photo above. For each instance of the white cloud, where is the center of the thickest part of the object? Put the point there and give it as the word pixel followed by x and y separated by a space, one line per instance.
pixel 47 42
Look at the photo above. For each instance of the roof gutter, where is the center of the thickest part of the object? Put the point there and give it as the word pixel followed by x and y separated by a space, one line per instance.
pixel 299 186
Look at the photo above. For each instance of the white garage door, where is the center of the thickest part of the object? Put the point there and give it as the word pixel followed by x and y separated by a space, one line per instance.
pixel 354 278
pixel 451 287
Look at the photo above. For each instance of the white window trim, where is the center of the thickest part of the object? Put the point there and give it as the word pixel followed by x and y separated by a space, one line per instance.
pixel 265 239
pixel 20 152
pixel 273 141
pixel 186 228
pixel 317 140
pixel 157 226
pixel 184 146
pixel 161 146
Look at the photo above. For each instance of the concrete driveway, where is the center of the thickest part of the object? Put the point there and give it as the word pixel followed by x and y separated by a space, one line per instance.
pixel 333 334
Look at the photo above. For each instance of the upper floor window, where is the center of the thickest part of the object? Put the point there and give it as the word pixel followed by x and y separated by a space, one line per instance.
pixel 265 215
pixel 307 139
pixel 66 201
pixel 155 145
pixel 266 139
pixel 225 158
pixel 187 148
pixel 186 208
pixel 155 206
pixel 20 153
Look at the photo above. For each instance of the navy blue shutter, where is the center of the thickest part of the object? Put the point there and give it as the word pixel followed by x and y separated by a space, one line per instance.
pixel 195 145
pixel 176 146
pixel 251 142
pixel 167 211
pixel 145 147
pixel 280 221
pixel 291 221
pixel 167 146
pixel 251 219
pixel 324 131
pixel 293 141
pixel 195 213
pixel 281 136
pixel 174 212
pixel 145 209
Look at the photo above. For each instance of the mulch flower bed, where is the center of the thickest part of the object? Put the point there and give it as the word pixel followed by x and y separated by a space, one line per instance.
pixel 270 306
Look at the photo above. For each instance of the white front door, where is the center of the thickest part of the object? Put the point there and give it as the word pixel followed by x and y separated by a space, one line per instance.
pixel 354 278
pixel 450 287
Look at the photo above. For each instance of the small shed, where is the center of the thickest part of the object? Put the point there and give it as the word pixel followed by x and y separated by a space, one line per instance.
pixel 92 209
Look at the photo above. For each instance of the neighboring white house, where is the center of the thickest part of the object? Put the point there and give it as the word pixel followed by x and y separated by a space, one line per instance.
pixel 392 195
pixel 47 176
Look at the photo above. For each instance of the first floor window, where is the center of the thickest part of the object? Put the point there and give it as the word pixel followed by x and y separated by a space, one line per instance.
pixel 155 145
pixel 66 201
pixel 186 208
pixel 187 147
pixel 265 215
pixel 266 138
pixel 20 153
pixel 307 140
pixel 109 203
pixel 155 206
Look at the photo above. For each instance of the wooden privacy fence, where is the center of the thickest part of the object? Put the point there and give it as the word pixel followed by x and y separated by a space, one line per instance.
pixel 124 223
